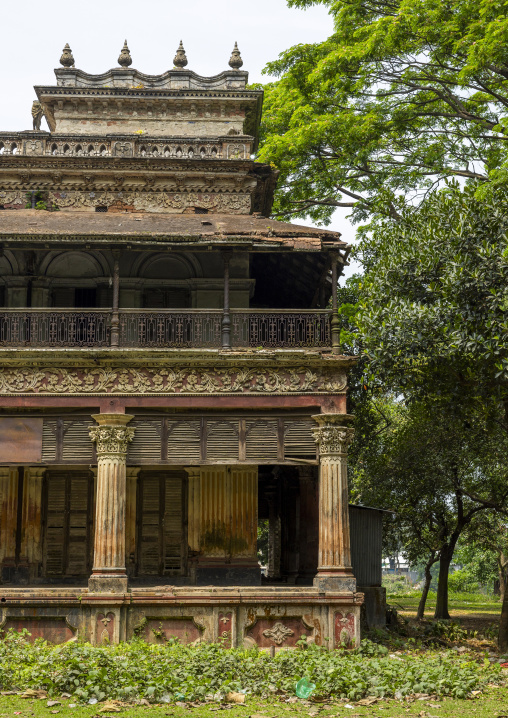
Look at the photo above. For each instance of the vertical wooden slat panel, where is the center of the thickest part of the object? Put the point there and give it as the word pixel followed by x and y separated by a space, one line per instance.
pixel 8 506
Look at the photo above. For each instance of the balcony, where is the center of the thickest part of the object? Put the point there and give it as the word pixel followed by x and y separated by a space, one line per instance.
pixel 165 329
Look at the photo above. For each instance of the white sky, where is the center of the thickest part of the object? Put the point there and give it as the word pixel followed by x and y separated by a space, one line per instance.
pixel 34 33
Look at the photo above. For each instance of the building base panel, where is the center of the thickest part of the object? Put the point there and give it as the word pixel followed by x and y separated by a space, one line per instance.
pixel 271 618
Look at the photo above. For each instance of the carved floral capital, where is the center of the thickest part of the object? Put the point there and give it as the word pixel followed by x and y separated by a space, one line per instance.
pixel 332 434
pixel 112 436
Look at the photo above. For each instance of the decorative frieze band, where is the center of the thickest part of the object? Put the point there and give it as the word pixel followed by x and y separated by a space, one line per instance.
pixel 190 381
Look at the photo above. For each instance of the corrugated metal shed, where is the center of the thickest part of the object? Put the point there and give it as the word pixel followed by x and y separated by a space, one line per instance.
pixel 366 544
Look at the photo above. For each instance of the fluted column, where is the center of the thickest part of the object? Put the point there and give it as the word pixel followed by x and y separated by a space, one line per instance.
pixel 333 435
pixel 112 436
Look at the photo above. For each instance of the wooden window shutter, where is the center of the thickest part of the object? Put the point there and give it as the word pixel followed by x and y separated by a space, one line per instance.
pixel 261 440
pixel 184 441
pixel 146 445
pixel 222 441
pixel 77 447
pixel 161 541
pixel 54 560
pixel 299 439
pixel 68 523
pixel 80 515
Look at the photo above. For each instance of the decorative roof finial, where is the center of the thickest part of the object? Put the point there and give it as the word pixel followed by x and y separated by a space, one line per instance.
pixel 235 61
pixel 67 59
pixel 180 57
pixel 125 59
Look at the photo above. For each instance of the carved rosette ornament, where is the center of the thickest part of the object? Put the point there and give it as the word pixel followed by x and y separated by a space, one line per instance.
pixel 278 633
pixel 333 435
pixel 112 436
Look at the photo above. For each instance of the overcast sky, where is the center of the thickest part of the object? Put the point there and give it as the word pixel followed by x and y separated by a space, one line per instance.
pixel 34 33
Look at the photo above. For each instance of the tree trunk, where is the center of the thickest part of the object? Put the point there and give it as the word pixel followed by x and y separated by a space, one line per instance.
pixel 445 560
pixel 502 638
pixel 502 565
pixel 425 591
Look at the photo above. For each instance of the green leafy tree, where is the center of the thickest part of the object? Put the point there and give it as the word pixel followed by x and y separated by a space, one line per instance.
pixel 434 314
pixel 404 94
pixel 438 472
pixel 483 553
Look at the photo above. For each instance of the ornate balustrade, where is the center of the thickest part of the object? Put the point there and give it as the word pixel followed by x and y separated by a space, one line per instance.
pixel 54 328
pixel 170 328
pixel 32 144
pixel 165 328
pixel 272 329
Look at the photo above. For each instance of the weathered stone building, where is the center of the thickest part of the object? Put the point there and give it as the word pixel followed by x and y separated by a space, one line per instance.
pixel 169 374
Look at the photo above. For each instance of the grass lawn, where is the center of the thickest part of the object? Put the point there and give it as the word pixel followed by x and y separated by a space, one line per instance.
pixel 492 703
pixel 473 611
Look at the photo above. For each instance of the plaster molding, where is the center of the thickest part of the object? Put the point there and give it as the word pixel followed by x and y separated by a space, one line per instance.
pixel 190 381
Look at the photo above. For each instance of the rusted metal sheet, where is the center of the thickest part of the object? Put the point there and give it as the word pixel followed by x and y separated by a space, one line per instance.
pixel 20 440
pixel 366 527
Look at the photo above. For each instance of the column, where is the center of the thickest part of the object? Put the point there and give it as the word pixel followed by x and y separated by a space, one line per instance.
pixel 115 319
pixel 226 319
pixel 31 538
pixel 112 436
pixel 333 435
pixel 8 521
pixel 335 323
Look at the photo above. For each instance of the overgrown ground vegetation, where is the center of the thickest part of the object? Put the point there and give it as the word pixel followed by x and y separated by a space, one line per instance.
pixel 396 673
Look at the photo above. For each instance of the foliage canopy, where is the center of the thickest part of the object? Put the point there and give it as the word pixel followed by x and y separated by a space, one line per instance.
pixel 404 94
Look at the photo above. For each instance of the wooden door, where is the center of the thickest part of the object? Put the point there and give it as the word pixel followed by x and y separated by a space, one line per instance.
pixel 161 540
pixel 68 522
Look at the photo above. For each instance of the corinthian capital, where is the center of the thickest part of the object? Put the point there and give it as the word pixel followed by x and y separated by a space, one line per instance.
pixel 333 435
pixel 111 436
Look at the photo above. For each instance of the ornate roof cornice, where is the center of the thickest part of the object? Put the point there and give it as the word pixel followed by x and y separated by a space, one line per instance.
pixel 172 79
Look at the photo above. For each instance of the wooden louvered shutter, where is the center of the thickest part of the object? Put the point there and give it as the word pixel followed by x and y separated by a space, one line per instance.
pixel 261 441
pixel 78 537
pixel 69 515
pixel 161 541
pixel 184 441
pixel 54 560
pixel 149 534
pixel 146 445
pixel 222 441
pixel 174 543
pixel 299 440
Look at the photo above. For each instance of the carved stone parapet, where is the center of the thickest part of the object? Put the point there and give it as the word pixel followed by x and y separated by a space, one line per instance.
pixel 333 435
pixel 112 437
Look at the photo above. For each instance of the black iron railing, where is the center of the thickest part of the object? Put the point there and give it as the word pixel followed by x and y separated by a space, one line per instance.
pixel 189 328
pixel 54 328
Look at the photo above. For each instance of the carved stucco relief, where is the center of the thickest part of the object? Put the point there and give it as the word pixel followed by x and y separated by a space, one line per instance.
pixel 177 201
pixel 184 381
